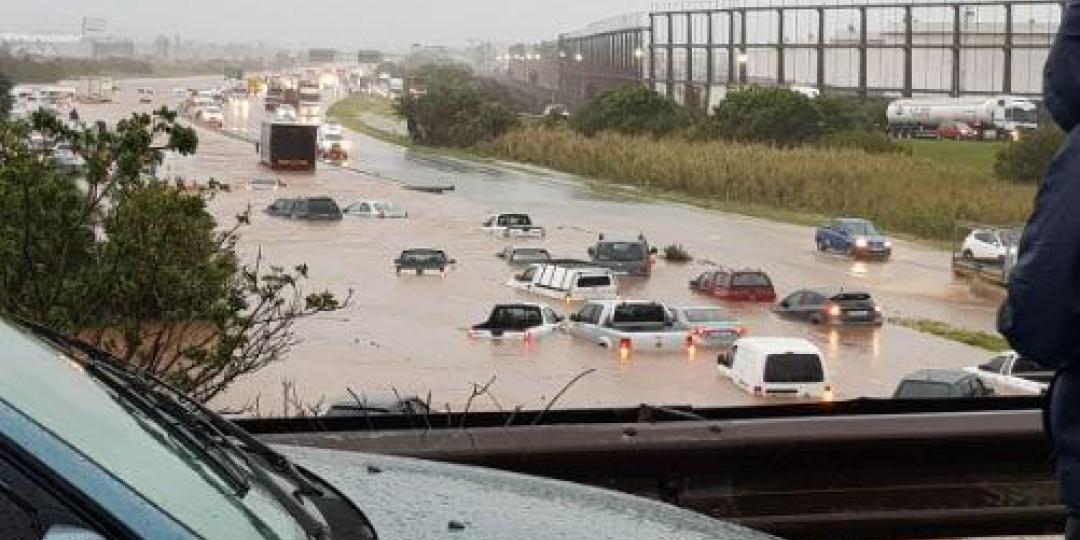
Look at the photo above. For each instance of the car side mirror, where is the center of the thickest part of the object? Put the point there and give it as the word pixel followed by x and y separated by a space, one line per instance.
pixel 592 252
pixel 451 261
pixel 397 261
pixel 501 254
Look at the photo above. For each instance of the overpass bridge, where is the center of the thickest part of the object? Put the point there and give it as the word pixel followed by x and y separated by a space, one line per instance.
pixel 693 52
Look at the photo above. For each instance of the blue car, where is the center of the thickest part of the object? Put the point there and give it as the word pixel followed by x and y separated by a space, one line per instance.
pixel 856 237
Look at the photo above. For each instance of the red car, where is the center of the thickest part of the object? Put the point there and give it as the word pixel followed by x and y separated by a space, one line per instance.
pixel 957 131
pixel 727 284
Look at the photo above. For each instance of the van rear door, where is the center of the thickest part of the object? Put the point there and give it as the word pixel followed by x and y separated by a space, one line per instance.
pixel 793 374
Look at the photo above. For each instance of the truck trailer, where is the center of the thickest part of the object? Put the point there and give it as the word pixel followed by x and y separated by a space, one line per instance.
pixel 1000 117
pixel 288 145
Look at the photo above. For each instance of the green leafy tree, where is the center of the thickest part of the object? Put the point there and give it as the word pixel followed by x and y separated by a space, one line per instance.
pixel 5 96
pixel 771 115
pixel 630 110
pixel 1026 160
pixel 127 263
pixel 842 113
pixel 450 107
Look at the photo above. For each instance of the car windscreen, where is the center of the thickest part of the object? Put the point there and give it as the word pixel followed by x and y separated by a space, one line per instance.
pixel 323 206
pixel 750 279
pixel 859 228
pixel 703 315
pixel 423 256
pixel 515 317
pixel 531 255
pixel 333 137
pixel 923 389
pixel 793 368
pixel 639 313
pixel 593 281
pixel 853 299
pixel 620 251
pixel 137 448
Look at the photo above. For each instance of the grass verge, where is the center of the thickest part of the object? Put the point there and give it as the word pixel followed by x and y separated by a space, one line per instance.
pixel 348 112
pixel 976 155
pixel 975 338
pixel 902 194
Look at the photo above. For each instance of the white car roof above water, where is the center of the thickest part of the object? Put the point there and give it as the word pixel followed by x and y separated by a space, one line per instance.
pixel 769 345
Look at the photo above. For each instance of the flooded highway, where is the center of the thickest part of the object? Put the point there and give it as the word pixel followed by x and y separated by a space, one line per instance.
pixel 406 333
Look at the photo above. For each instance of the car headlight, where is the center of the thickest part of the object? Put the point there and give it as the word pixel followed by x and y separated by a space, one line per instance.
pixel 860 241
pixel 888 243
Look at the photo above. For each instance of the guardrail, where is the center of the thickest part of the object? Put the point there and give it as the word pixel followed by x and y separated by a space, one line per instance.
pixel 874 469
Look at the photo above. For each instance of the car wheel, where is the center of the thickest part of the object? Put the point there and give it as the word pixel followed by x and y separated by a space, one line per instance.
pixel 967 254
pixel 820 245
pixel 816 319
pixel 397 270
pixel 1001 260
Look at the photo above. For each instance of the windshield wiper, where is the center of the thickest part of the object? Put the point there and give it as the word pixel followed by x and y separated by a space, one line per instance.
pixel 197 426
pixel 135 391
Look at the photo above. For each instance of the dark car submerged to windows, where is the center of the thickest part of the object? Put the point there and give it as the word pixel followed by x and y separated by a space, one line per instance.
pixel 91 450
pixel 831 306
pixel 309 208
pixel 632 257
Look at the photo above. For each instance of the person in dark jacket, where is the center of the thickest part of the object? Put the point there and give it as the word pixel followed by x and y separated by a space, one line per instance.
pixel 1041 317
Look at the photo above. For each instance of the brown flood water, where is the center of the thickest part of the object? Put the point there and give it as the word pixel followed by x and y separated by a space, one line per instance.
pixel 407 333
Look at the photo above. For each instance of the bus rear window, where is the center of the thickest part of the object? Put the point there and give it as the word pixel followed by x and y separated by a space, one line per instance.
pixel 593 281
pixel 793 368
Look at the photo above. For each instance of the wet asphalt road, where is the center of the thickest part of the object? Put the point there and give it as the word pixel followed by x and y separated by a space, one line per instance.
pixel 407 333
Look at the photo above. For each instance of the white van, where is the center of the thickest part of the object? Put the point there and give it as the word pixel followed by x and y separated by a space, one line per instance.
pixel 567 280
pixel 776 367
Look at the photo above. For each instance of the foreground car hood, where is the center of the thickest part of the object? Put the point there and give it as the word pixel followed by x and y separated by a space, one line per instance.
pixel 416 499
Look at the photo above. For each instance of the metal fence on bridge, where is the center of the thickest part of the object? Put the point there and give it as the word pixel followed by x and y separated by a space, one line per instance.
pixel 693 52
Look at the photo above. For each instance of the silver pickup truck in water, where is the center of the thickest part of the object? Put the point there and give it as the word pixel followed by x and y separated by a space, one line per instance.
pixel 630 325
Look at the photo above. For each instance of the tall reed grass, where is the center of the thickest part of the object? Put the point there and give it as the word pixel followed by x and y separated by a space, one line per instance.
pixel 901 193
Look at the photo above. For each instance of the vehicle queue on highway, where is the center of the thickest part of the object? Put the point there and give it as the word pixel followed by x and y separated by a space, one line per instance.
pixel 590 307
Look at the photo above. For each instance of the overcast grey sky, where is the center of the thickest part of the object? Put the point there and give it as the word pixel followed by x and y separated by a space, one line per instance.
pixel 332 23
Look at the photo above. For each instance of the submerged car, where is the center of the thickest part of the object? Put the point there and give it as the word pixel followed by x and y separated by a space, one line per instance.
pixel 990 244
pixel 729 284
pixel 512 224
pixel 263 183
pixel 377 404
pixel 625 256
pixel 856 237
pixel 940 384
pixel 525 321
pixel 831 306
pixel 520 256
pixel 375 209
pixel 710 327
pixel 315 208
pixel 109 453
pixel 423 259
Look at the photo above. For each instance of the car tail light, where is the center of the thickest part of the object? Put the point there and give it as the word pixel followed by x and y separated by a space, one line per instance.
pixel 625 344
pixel 832 310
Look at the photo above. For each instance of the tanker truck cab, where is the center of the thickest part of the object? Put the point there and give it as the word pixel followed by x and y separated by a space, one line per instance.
pixel 626 257
pixel 1017 115
pixel 776 367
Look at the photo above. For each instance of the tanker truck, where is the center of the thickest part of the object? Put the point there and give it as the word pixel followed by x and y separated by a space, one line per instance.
pixel 1001 117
